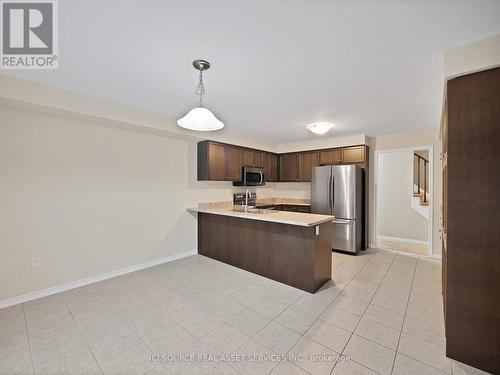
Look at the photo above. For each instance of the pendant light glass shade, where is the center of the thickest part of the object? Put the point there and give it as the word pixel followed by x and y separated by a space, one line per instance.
pixel 200 119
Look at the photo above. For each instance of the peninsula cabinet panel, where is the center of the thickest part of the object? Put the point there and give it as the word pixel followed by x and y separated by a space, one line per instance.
pixel 247 157
pixel 294 255
pixel 330 157
pixel 307 161
pixel 289 167
pixel 470 232
pixel 351 155
pixel 233 163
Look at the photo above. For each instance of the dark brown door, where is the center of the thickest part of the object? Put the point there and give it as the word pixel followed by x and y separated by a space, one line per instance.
pixel 473 220
pixel 289 168
pixel 352 155
pixel 247 157
pixel 216 162
pixel 329 157
pixel 307 161
pixel 258 159
pixel 233 163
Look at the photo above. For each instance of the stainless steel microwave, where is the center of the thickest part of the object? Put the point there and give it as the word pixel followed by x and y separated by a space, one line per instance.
pixel 251 176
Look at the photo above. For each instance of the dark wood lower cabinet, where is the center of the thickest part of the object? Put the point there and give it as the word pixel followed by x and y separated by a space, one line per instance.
pixel 471 195
pixel 294 208
pixel 291 254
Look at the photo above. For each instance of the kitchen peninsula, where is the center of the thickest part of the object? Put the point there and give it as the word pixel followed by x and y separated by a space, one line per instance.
pixel 290 247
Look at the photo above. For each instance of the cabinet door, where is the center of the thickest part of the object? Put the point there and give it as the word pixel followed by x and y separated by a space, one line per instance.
pixel 289 167
pixel 246 157
pixel 258 159
pixel 329 157
pixel 233 163
pixel 216 162
pixel 273 167
pixel 307 161
pixel 353 154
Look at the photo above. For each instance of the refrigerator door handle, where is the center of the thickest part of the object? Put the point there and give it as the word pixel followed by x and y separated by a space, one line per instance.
pixel 332 189
pixel 341 221
pixel 330 193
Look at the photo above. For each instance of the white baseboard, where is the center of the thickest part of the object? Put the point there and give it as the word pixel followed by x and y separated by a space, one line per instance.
pixel 90 280
pixel 400 239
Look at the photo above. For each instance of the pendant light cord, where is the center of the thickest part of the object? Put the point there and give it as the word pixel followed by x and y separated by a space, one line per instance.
pixel 200 89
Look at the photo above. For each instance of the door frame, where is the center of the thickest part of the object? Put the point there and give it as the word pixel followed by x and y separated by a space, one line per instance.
pixel 430 233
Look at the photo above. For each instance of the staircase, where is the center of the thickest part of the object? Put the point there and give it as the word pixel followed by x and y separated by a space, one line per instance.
pixel 421 196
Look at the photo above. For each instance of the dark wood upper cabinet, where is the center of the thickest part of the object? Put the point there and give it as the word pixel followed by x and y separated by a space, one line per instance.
pixel 258 159
pixel 289 167
pixel 247 157
pixel 307 161
pixel 343 155
pixel 233 163
pixel 270 166
pixel 329 157
pixel 223 162
pixel 218 162
pixel 351 155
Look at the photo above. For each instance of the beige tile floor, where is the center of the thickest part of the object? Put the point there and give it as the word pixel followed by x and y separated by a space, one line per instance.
pixel 381 314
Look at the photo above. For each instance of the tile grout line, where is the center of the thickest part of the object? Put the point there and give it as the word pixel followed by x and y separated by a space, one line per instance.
pixel 379 284
pixel 28 336
pixel 81 333
pixel 404 318
pixel 404 315
pixel 302 335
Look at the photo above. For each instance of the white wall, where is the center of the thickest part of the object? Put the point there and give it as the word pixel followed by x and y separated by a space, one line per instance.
pixel 395 216
pixel 472 57
pixel 90 197
pixel 415 140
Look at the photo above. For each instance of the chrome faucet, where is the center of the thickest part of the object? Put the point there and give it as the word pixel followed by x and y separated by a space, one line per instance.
pixel 247 192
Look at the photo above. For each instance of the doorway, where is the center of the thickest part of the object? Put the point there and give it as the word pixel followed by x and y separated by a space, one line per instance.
pixel 403 200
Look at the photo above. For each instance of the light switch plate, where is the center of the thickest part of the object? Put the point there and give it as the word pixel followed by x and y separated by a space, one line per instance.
pixel 35 262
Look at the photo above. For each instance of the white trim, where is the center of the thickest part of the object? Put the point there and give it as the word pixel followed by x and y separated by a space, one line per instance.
pixel 430 232
pixel 435 258
pixel 91 280
pixel 400 239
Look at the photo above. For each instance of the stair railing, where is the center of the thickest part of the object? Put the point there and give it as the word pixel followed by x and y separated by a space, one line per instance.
pixel 419 160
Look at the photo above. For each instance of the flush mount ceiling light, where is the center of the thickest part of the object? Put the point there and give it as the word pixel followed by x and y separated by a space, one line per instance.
pixel 319 127
pixel 200 118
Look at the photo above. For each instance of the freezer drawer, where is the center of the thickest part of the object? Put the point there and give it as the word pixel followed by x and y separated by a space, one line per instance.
pixel 346 235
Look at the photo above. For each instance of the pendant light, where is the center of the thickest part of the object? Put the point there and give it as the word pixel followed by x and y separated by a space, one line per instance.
pixel 200 118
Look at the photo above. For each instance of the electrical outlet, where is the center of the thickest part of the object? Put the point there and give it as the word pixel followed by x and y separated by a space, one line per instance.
pixel 317 230
pixel 35 262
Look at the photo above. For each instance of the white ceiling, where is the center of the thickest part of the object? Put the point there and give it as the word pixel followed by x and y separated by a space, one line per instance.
pixel 371 67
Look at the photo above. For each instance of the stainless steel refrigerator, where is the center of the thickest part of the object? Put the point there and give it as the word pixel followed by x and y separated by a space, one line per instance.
pixel 338 190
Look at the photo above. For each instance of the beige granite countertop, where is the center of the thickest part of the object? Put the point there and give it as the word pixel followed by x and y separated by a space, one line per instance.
pixel 282 217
